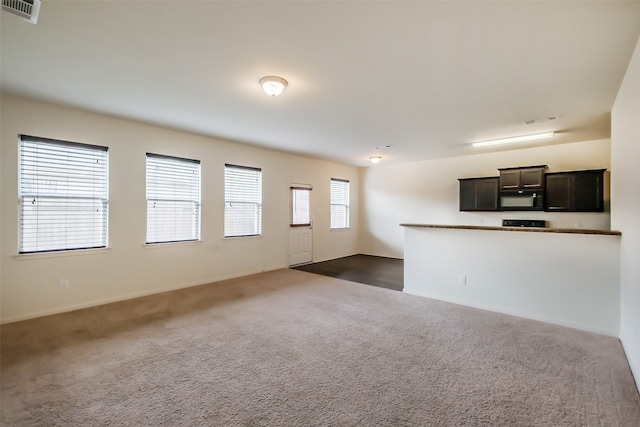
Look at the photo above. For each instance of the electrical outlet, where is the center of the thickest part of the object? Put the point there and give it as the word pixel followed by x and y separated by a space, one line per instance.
pixel 64 284
pixel 462 279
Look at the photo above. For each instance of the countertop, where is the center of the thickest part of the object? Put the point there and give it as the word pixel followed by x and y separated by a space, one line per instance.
pixel 523 229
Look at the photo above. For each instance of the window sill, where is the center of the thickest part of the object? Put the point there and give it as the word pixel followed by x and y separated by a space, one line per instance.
pixel 57 254
pixel 253 236
pixel 341 229
pixel 171 244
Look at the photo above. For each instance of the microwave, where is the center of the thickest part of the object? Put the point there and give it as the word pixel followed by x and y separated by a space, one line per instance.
pixel 522 200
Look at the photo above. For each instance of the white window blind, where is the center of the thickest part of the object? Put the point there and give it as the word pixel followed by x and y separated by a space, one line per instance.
pixel 300 209
pixel 242 201
pixel 339 203
pixel 173 199
pixel 64 195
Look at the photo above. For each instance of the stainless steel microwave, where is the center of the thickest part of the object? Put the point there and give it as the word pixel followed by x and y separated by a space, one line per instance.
pixel 522 200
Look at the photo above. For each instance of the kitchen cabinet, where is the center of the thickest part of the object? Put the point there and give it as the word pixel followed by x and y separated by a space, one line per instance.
pixel 575 191
pixel 521 178
pixel 479 194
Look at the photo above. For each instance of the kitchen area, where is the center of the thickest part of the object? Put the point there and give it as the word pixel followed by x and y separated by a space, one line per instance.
pixel 526 267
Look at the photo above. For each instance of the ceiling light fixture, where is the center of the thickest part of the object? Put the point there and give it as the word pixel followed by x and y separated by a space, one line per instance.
pixel 273 85
pixel 375 159
pixel 523 138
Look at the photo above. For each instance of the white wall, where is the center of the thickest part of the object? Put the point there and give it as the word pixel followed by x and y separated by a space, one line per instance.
pixel 565 279
pixel 625 205
pixel 30 284
pixel 427 192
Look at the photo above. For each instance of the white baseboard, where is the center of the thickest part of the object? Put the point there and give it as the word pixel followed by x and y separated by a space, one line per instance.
pixel 103 301
pixel 525 315
pixel 631 351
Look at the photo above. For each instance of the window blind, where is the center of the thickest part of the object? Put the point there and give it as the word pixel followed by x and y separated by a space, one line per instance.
pixel 300 209
pixel 63 194
pixel 339 203
pixel 242 201
pixel 173 199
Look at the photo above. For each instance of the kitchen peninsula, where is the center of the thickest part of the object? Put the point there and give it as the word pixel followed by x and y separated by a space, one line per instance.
pixel 569 277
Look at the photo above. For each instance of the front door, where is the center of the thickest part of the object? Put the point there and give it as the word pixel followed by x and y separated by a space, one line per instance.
pixel 300 226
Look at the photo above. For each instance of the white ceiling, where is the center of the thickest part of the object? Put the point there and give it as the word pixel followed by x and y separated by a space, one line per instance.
pixel 427 78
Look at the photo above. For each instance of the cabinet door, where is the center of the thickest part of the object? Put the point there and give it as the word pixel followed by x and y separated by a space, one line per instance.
pixel 467 195
pixel 558 192
pixel 579 191
pixel 487 191
pixel 510 180
pixel 532 178
pixel 479 194
pixel 522 178
pixel 587 192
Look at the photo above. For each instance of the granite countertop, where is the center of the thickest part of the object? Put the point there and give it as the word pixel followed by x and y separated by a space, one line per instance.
pixel 525 229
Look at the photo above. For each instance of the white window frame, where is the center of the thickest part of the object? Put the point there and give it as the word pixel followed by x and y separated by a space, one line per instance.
pixel 173 195
pixel 63 191
pixel 340 201
pixel 242 201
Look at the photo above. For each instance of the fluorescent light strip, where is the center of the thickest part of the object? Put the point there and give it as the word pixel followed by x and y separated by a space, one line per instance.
pixel 523 138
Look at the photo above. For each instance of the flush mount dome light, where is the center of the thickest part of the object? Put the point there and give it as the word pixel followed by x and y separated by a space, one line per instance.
pixel 273 85
pixel 375 159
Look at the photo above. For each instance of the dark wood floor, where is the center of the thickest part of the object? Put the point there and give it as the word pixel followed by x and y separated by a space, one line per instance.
pixel 368 269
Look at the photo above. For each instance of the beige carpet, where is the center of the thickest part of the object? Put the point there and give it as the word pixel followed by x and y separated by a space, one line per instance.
pixel 289 348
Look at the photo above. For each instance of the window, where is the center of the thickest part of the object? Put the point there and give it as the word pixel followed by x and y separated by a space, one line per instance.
pixel 300 209
pixel 339 203
pixel 173 199
pixel 242 201
pixel 64 196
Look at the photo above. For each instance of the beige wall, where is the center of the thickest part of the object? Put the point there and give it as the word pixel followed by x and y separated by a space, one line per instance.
pixel 30 284
pixel 427 192
pixel 625 205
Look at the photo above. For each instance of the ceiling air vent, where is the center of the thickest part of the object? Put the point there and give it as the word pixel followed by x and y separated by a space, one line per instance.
pixel 25 9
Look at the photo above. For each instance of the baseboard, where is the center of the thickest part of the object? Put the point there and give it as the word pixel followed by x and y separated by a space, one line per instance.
pixel 382 256
pixel 359 253
pixel 103 301
pixel 630 351
pixel 525 315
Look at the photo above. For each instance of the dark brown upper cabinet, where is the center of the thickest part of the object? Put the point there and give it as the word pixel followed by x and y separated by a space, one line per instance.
pixel 522 178
pixel 575 191
pixel 479 194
